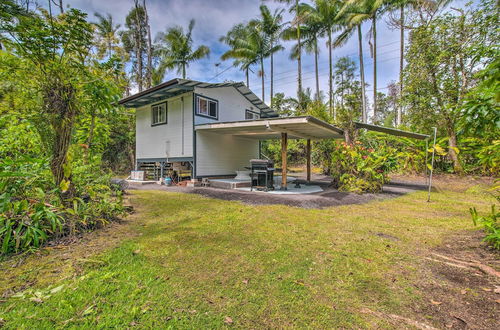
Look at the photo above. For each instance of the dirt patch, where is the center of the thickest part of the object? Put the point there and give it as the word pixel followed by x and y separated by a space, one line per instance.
pixel 59 260
pixel 450 182
pixel 327 198
pixel 456 294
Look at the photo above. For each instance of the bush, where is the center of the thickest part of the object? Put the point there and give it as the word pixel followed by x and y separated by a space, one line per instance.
pixel 26 224
pixel 358 169
pixel 489 222
pixel 490 225
pixel 31 212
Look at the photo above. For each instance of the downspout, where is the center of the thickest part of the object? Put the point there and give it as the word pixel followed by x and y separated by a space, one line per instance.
pixel 182 126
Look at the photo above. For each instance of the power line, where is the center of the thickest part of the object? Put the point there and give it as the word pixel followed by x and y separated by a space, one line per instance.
pixel 256 82
pixel 322 74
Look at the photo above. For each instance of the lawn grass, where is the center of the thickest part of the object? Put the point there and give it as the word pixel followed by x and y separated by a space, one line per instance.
pixel 206 263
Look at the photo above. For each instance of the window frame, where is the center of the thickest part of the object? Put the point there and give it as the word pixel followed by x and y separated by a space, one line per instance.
pixel 208 99
pixel 253 112
pixel 166 113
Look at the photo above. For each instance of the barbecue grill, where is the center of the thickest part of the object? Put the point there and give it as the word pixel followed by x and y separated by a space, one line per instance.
pixel 262 171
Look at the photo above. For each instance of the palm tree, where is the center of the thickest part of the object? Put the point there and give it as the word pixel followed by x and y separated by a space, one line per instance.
pixel 235 39
pixel 252 46
pixel 296 22
pixel 176 49
pixel 349 28
pixel 106 33
pixel 310 30
pixel 401 5
pixel 359 11
pixel 326 12
pixel 272 25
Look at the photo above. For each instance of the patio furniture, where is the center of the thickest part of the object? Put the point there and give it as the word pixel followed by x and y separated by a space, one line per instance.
pixel 262 171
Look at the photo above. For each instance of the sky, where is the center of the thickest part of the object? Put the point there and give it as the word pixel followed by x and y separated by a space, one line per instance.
pixel 215 17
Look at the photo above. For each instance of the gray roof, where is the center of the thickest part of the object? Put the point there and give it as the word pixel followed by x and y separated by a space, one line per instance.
pixel 178 86
pixel 392 131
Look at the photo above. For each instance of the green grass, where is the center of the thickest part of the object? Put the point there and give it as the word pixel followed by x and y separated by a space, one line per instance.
pixel 197 261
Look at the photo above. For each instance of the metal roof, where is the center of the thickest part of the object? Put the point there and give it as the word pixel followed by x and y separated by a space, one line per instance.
pixel 178 86
pixel 296 127
pixel 391 131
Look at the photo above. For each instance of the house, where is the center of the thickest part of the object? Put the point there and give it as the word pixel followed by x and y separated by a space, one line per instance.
pixel 213 129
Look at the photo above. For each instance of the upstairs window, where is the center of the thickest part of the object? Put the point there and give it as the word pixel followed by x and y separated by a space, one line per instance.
pixel 251 115
pixel 159 114
pixel 207 107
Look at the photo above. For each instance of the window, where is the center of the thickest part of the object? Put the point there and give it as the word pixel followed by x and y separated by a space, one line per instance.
pixel 251 115
pixel 159 114
pixel 207 107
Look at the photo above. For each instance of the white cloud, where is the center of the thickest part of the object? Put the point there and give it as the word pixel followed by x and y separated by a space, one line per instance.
pixel 215 17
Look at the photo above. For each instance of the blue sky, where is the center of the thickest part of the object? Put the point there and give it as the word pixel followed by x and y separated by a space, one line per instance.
pixel 215 17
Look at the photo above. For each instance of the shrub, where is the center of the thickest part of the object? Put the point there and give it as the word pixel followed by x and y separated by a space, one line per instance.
pixel 490 225
pixel 358 169
pixel 31 212
pixel 489 222
pixel 26 224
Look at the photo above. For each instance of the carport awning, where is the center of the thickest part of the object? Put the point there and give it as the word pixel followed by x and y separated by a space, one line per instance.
pixel 392 131
pixel 263 129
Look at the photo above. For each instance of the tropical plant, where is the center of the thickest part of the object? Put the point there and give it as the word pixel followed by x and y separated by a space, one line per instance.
pixel 107 42
pixel 296 22
pixel 310 29
pixel 357 12
pixel 327 14
pixel 490 225
pixel 348 29
pixel 442 62
pixel 175 49
pixel 249 45
pixel 243 60
pixel 134 39
pixel 272 25
pixel 359 169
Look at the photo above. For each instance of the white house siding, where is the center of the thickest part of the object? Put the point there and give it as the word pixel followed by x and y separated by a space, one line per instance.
pixel 218 154
pixel 232 104
pixel 174 139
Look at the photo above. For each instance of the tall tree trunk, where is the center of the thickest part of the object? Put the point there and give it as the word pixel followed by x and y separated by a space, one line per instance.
pixel 362 74
pixel 452 147
pixel 272 79
pixel 342 90
pixel 333 113
pixel 59 103
pixel 262 78
pixel 138 47
pixel 149 66
pixel 248 80
pixel 299 56
pixel 401 64
pixel 61 6
pixel 183 71
pixel 374 29
pixel 316 69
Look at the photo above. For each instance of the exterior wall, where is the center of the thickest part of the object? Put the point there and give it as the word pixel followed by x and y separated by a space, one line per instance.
pixel 232 104
pixel 218 154
pixel 174 139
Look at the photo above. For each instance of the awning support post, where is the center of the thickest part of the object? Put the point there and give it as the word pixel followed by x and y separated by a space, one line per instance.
pixel 432 165
pixel 426 158
pixel 308 155
pixel 284 146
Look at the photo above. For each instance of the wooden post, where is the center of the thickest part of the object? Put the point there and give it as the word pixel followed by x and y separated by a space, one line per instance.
pixel 284 146
pixel 308 155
